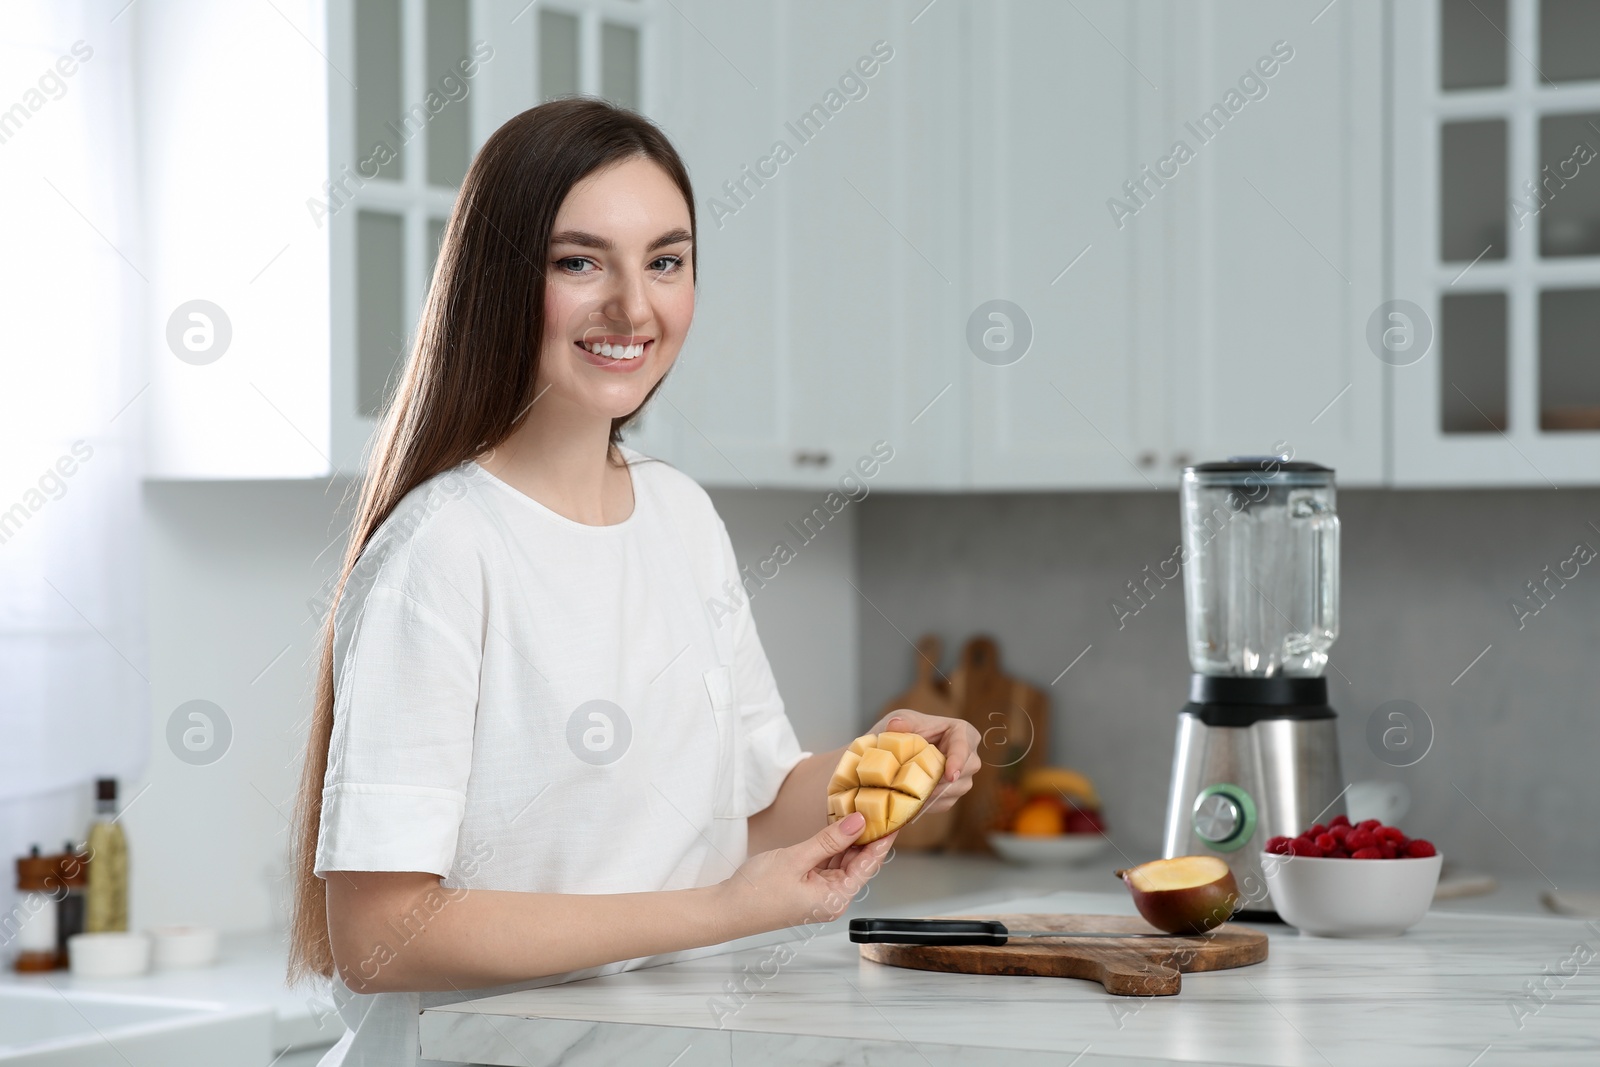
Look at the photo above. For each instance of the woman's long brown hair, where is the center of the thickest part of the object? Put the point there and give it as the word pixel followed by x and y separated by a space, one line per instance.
pixel 469 380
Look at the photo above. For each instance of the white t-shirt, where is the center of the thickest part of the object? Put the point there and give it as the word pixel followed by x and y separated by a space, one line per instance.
pixel 524 702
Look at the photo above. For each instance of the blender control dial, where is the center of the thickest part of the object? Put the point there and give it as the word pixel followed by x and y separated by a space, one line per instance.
pixel 1224 817
pixel 1217 818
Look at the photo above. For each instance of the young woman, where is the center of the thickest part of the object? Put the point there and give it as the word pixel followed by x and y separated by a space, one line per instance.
pixel 534 750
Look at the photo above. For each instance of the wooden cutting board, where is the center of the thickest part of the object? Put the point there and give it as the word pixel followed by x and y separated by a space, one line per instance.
pixel 1012 719
pixel 1126 968
pixel 929 694
pixel 930 689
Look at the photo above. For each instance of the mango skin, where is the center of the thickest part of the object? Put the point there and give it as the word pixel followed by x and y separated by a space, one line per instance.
pixel 1192 910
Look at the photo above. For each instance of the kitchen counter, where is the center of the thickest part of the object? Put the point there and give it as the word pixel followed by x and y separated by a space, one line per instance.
pixel 1453 991
pixel 248 973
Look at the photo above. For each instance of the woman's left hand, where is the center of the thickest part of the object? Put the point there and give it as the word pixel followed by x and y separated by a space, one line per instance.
pixel 956 738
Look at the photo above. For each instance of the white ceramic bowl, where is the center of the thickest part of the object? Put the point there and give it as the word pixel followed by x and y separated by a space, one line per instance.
pixel 1056 849
pixel 110 955
pixel 1351 898
pixel 172 947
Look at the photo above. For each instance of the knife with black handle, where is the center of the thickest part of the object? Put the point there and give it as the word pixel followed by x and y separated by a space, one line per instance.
pixel 961 932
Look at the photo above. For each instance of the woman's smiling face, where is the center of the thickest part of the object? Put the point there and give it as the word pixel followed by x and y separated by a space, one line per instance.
pixel 619 289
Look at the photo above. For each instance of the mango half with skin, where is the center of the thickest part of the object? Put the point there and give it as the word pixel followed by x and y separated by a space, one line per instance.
pixel 1183 895
pixel 885 777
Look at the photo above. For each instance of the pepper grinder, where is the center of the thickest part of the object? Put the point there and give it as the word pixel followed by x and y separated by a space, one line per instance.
pixel 36 934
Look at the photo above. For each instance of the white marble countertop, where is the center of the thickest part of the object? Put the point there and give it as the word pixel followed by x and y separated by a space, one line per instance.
pixel 1454 991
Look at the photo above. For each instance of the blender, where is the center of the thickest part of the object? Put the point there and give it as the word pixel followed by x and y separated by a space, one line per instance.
pixel 1257 752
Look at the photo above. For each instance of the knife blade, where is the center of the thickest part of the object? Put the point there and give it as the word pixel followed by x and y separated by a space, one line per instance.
pixel 965 932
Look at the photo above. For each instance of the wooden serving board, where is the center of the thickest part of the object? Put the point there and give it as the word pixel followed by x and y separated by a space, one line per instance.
pixel 1126 968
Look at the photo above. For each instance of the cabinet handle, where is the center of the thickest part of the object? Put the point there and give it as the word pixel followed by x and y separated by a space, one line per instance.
pixel 808 458
pixel 1147 460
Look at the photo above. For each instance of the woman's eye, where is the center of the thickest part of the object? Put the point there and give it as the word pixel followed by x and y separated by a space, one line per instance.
pixel 667 264
pixel 573 264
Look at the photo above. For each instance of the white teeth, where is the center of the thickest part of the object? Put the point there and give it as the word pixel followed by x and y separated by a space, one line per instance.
pixel 611 351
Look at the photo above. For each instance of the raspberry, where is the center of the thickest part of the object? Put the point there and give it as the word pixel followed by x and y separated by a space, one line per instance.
pixel 1339 820
pixel 1278 846
pixel 1339 833
pixel 1420 849
pixel 1327 842
pixel 1315 832
pixel 1366 854
pixel 1301 847
pixel 1369 824
pixel 1356 840
pixel 1392 834
pixel 1338 854
pixel 1388 850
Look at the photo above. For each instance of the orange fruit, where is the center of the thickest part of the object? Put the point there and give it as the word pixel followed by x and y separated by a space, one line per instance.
pixel 1039 818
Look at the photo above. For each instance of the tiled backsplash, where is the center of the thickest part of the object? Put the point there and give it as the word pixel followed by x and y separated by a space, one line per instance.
pixel 1511 783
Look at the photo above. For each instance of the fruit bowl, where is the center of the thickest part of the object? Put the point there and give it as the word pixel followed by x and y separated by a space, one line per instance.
pixel 1351 898
pixel 1046 849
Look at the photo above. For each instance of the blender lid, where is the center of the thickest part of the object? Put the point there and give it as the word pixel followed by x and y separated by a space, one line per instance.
pixel 1276 469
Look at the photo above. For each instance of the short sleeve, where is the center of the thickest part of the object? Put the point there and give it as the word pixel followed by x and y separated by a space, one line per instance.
pixel 405 704
pixel 768 746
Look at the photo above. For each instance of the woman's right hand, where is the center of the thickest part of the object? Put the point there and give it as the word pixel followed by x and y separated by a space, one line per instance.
pixel 813 881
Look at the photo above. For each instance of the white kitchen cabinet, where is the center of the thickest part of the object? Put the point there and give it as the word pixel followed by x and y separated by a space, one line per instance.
pixel 1052 109
pixel 238 386
pixel 835 301
pixel 1174 337
pixel 1275 251
pixel 983 167
pixel 1217 305
pixel 1496 238
pixel 983 164
pixel 820 140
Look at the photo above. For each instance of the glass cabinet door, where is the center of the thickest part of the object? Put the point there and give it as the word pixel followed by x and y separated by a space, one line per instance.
pixel 415 86
pixel 1497 237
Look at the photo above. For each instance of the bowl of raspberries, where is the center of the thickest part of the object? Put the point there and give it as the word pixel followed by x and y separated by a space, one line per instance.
pixel 1321 882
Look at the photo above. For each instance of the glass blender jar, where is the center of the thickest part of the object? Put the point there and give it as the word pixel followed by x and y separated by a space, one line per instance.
pixel 1257 750
pixel 1261 576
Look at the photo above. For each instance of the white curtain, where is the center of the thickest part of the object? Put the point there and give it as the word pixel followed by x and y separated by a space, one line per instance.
pixel 74 699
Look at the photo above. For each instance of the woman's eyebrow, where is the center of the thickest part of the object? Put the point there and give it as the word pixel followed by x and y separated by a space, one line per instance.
pixel 592 240
pixel 671 237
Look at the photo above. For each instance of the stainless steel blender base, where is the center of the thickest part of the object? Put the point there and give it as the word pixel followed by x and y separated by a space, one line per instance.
pixel 1234 787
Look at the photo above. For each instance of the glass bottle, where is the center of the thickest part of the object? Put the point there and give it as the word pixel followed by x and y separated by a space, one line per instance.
pixel 72 878
pixel 108 865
